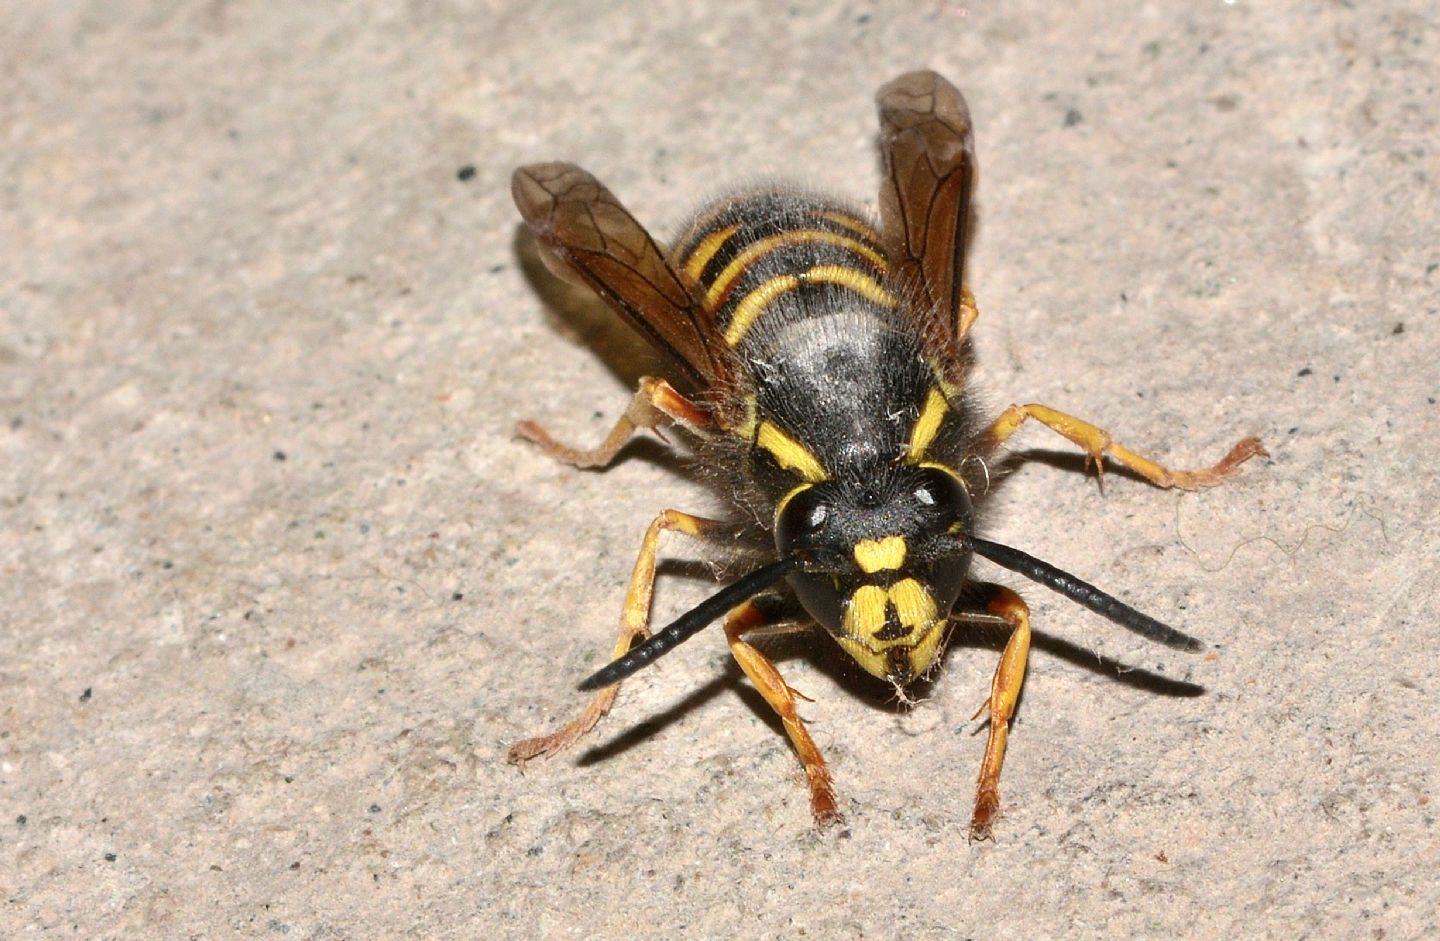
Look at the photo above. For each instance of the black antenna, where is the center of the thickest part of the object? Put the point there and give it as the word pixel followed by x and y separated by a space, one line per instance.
pixel 688 624
pixel 1084 594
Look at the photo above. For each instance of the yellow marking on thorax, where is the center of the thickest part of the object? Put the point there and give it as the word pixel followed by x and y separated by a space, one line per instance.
pixel 878 555
pixel 789 453
pixel 928 425
pixel 754 303
pixel 706 250
pixel 716 291
pixel 746 429
pixel 937 369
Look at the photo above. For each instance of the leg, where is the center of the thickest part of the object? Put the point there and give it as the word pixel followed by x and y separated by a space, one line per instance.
pixel 654 404
pixel 1004 692
pixel 1098 445
pixel 967 315
pixel 781 698
pixel 634 626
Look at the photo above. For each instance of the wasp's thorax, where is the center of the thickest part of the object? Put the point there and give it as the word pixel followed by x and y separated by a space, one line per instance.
pixel 884 562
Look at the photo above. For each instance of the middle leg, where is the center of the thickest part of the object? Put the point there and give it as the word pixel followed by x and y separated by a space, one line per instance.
pixel 1098 445
pixel 655 403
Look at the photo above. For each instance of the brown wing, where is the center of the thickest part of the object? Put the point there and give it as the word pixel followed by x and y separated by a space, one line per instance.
pixel 583 224
pixel 924 201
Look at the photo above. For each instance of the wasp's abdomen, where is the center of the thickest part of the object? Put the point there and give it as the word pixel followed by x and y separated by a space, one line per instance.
pixel 765 259
pixel 799 287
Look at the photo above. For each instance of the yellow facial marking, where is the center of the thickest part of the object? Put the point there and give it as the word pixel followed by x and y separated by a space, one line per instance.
pixel 789 453
pixel 928 425
pixel 913 603
pixel 878 555
pixel 865 617
pixel 866 621
pixel 785 500
pixel 717 289
pixel 926 649
pixel 706 250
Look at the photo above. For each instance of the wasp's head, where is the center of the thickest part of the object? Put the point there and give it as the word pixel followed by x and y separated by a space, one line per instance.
pixel 884 564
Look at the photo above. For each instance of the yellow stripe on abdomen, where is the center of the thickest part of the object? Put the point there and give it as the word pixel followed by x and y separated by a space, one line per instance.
pixel 852 278
pixel 855 225
pixel 716 290
pixel 709 245
pixel 752 305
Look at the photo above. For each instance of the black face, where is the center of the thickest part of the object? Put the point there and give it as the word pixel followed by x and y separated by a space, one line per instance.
pixel 885 566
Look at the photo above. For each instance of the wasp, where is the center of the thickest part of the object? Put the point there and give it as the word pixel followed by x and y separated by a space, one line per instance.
pixel 820 360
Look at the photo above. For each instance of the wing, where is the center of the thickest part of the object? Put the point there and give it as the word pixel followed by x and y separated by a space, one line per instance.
pixel 582 223
pixel 925 199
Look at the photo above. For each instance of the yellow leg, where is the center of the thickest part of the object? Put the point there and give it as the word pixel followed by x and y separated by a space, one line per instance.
pixel 634 626
pixel 654 404
pixel 966 316
pixel 1004 693
pixel 781 698
pixel 1098 445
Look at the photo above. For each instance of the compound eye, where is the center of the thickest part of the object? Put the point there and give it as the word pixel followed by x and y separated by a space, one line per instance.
pixel 802 520
pixel 941 497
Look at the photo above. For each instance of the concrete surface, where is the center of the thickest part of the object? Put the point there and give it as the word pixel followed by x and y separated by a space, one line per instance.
pixel 279 586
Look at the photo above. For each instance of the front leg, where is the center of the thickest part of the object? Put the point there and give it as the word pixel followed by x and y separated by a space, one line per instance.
pixel 781 698
pixel 1004 694
pixel 1098 445
pixel 634 627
